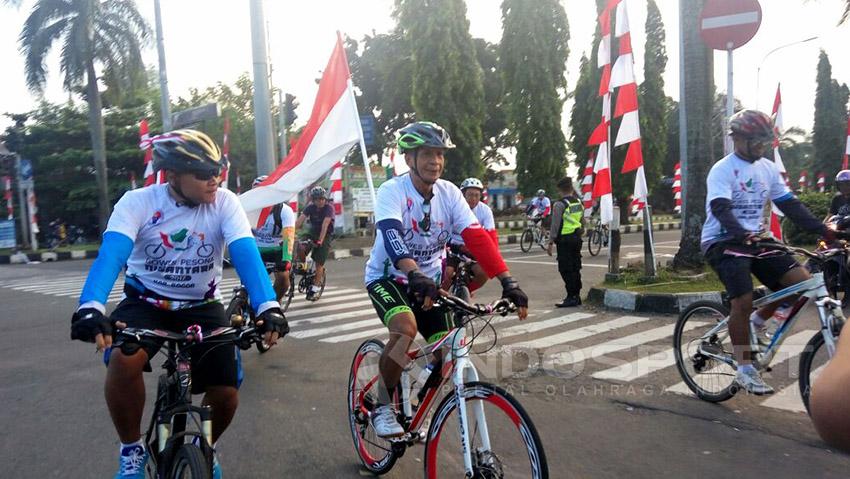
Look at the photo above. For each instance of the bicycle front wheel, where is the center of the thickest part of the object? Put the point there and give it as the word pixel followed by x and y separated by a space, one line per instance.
pixel 376 454
pixel 503 440
pixel 812 361
pixel 526 240
pixel 190 463
pixel 703 351
pixel 594 243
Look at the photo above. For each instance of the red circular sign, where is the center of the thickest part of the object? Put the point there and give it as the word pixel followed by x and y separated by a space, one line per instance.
pixel 728 24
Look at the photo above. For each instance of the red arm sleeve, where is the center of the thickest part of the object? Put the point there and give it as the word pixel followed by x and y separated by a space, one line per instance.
pixel 485 251
pixel 494 235
pixel 547 211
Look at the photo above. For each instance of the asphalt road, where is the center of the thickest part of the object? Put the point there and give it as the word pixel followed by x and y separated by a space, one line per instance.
pixel 613 414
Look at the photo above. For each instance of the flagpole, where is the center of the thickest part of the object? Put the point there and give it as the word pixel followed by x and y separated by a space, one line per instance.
pixel 363 147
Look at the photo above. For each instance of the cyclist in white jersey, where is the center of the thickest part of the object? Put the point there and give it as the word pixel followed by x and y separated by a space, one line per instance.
pixel 540 207
pixel 171 238
pixel 275 240
pixel 415 215
pixel 471 189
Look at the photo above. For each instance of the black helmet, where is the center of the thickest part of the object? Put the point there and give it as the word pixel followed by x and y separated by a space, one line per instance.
pixel 186 151
pixel 318 192
pixel 423 133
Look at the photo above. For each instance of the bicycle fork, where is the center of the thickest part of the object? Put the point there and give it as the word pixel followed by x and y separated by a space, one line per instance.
pixel 465 372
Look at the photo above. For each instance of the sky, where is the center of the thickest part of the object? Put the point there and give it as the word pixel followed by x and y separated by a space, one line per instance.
pixel 208 41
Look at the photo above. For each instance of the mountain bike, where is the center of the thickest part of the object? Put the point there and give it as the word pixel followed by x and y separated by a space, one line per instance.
pixel 240 313
pixel 307 271
pixel 703 348
pixel 533 235
pixel 597 237
pixel 179 436
pixel 495 438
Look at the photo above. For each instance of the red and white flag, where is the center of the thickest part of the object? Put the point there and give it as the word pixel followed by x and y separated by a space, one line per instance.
pixel 821 182
pixel 677 189
pixel 775 213
pixel 333 128
pixel 146 145
pixel 602 167
pixel 7 194
pixel 587 188
pixel 336 194
pixel 225 152
pixel 803 182
pixel 133 180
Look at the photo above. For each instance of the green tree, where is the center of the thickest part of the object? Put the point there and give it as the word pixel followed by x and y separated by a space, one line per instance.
pixel 830 126
pixel 447 85
pixel 497 137
pixel 653 101
pixel 535 88
pixel 92 33
pixel 697 98
pixel 586 110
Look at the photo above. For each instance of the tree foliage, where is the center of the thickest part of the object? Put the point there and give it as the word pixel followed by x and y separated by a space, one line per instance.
pixel 654 106
pixel 533 56
pixel 829 132
pixel 447 85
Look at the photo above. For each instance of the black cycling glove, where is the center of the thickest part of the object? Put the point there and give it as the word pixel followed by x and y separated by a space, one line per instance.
pixel 87 323
pixel 274 321
pixel 511 291
pixel 421 286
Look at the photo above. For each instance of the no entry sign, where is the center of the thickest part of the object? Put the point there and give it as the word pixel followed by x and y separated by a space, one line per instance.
pixel 728 24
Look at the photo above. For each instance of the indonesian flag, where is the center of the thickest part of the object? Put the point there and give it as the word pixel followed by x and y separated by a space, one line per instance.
pixel 333 128
pixel 775 213
pixel 7 194
pixel 846 147
pixel 677 189
pixel 803 181
pixel 336 194
pixel 602 166
pixel 587 188
pixel 225 152
pixel 821 182
pixel 146 145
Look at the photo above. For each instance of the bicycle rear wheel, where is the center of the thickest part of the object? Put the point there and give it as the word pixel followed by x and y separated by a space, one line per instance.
pixel 190 463
pixel 594 242
pixel 514 451
pixel 376 454
pixel 697 345
pixel 526 240
pixel 812 361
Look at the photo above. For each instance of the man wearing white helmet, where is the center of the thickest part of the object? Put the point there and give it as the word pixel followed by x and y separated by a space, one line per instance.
pixel 275 240
pixel 472 189
pixel 539 210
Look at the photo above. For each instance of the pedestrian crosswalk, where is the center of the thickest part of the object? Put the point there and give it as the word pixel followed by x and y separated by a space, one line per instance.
pixel 617 349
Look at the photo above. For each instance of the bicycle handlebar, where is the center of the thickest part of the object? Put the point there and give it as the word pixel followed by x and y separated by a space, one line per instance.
pixel 501 306
pixel 192 335
pixel 820 256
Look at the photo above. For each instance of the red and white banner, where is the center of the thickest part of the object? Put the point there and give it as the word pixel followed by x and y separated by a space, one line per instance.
pixel 336 194
pixel 7 195
pixel 33 210
pixel 225 152
pixel 331 131
pixel 677 189
pixel 803 182
pixel 821 182
pixel 133 185
pixel 602 167
pixel 587 188
pixel 775 214
pixel 145 144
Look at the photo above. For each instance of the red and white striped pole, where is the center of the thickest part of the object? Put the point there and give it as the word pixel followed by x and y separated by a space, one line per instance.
pixel 7 193
pixel 677 189
pixel 336 195
pixel 803 181
pixel 587 188
pixel 821 182
pixel 132 180
pixel 145 144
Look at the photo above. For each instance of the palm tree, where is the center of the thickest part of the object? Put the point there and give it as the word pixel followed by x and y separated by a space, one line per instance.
pixel 108 34
pixel 698 99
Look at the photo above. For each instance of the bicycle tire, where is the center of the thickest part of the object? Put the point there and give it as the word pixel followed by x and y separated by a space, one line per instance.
pixel 515 424
pixel 704 366
pixel 377 455
pixel 807 359
pixel 526 240
pixel 594 243
pixel 190 460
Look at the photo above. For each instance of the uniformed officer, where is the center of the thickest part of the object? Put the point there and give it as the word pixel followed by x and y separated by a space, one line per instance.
pixel 566 232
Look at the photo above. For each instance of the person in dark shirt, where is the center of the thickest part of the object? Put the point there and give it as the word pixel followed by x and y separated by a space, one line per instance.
pixel 841 202
pixel 320 215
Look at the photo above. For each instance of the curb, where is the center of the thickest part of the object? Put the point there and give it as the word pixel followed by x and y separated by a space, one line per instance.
pixel 661 303
pixel 23 258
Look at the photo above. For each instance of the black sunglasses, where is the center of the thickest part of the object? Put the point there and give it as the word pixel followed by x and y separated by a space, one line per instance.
pixel 206 175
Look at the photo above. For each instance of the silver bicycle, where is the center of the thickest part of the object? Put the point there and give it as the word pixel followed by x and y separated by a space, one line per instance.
pixel 703 348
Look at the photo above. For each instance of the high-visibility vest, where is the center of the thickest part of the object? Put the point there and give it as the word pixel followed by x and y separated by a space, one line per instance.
pixel 573 211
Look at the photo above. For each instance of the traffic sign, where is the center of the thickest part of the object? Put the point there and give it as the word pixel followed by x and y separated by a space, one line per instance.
pixel 367 124
pixel 193 116
pixel 728 24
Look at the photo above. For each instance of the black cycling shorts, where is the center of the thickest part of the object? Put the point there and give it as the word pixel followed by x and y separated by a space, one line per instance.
pixel 390 298
pixel 734 271
pixel 274 257
pixel 212 364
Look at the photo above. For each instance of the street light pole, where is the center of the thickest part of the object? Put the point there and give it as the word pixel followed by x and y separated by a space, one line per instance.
pixel 758 70
pixel 262 98
pixel 164 103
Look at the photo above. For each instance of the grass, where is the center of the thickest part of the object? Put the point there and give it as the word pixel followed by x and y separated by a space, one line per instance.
pixel 667 281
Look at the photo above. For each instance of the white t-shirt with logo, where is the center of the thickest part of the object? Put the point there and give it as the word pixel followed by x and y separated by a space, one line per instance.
pixel 177 250
pixel 265 235
pixel 399 200
pixel 540 205
pixel 749 186
pixel 484 215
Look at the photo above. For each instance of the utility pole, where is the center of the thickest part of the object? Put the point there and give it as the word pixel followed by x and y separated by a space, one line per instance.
pixel 164 102
pixel 262 98
pixel 282 124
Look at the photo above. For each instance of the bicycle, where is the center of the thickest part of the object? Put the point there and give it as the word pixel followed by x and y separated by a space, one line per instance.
pixel 178 451
pixel 479 438
pixel 708 355
pixel 240 313
pixel 307 271
pixel 597 237
pixel 532 234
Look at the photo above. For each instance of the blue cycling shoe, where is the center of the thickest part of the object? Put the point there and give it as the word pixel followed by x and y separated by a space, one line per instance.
pixel 131 462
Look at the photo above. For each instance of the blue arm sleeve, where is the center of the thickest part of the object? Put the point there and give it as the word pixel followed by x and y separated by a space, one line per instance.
pixel 111 257
pixel 393 240
pixel 246 258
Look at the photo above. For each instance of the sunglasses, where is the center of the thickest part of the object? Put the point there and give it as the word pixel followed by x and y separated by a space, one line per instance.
pixel 206 175
pixel 425 224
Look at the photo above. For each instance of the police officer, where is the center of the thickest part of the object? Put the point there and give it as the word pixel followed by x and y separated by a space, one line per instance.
pixel 566 232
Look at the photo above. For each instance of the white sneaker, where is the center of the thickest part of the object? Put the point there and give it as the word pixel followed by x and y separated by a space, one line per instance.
pixel 750 380
pixel 385 423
